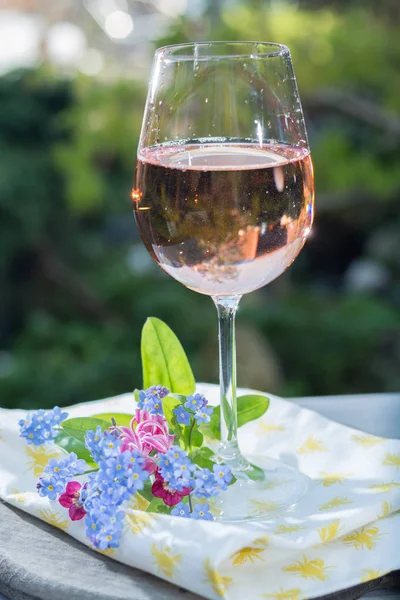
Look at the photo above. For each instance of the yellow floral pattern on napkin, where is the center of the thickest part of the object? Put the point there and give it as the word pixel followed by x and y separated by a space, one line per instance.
pixel 218 583
pixel 293 594
pixel 336 502
pixel 313 568
pixel 55 519
pixel 312 445
pixel 392 460
pixel 370 574
pixel 138 522
pixel 330 532
pixel 367 441
pixel 329 479
pixel 166 560
pixel 364 538
pixel 39 456
pixel 249 554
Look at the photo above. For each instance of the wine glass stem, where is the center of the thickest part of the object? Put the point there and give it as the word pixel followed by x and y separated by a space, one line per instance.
pixel 229 451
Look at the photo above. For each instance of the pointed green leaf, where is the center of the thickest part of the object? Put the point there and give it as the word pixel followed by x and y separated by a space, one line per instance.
pixel 146 491
pixel 78 426
pixel 196 438
pixel 70 444
pixel 203 457
pixel 251 407
pixel 213 428
pixel 158 506
pixel 164 361
pixel 168 404
pixel 122 419
pixel 255 473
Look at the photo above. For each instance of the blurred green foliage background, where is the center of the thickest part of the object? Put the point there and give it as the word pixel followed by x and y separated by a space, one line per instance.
pixel 77 284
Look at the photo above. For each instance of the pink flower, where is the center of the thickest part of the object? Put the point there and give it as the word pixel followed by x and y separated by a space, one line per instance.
pixel 147 433
pixel 71 499
pixel 170 497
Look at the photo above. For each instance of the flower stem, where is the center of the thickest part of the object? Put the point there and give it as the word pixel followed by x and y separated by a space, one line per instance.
pixel 190 435
pixel 90 471
pixel 190 504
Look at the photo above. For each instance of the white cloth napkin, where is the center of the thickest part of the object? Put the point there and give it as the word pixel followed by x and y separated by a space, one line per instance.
pixel 344 531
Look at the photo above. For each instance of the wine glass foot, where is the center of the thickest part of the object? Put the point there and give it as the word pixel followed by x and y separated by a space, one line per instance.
pixel 261 492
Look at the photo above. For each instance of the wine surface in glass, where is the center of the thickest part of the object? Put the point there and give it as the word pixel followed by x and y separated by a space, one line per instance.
pixel 225 216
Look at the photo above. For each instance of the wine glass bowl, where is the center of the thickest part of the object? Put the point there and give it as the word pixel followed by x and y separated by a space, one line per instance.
pixel 224 218
pixel 224 192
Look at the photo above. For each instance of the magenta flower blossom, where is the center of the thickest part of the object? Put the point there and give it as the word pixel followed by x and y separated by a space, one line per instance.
pixel 71 499
pixel 170 497
pixel 146 433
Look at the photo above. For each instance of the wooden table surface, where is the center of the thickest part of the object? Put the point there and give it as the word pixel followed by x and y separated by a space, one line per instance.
pixel 378 414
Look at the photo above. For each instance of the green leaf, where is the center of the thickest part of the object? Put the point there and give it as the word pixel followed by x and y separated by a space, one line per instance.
pixel 136 394
pixel 122 419
pixel 77 427
pixel 168 404
pixel 213 428
pixel 196 439
pixel 255 473
pixel 180 397
pixel 203 457
pixel 191 436
pixel 228 414
pixel 205 451
pixel 205 463
pixel 251 407
pixel 146 491
pixel 70 444
pixel 164 361
pixel 158 506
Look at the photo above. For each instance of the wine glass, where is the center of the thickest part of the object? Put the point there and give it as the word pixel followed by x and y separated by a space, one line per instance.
pixel 223 200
